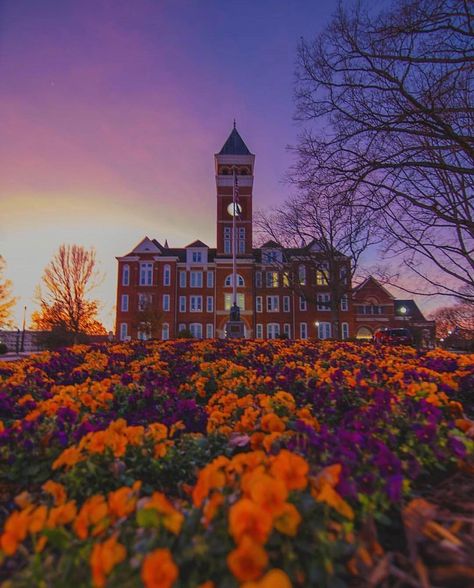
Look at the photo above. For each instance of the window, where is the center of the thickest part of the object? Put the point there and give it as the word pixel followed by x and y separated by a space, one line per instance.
pixel 227 240
pixel 166 302
pixel 229 281
pixel 142 335
pixel 344 303
pixel 302 275
pixel 196 330
pixel 258 279
pixel 272 279
pixel 209 331
pixel 126 275
pixel 273 330
pixel 210 279
pixel 258 304
pixel 303 330
pixel 286 280
pixel 271 256
pixel 124 303
pixel 182 279
pixel 144 301
pixel 343 273
pixel 166 275
pixel 324 302
pixel 241 243
pixel 303 304
pixel 123 331
pixel 210 304
pixel 195 303
pixel 196 257
pixel 146 274
pixel 286 304
pixel 181 327
pixel 259 331
pixel 369 309
pixel 287 330
pixel 322 275
pixel 345 330
pixel 228 301
pixel 165 331
pixel 182 304
pixel 195 280
pixel 324 330
pixel 272 303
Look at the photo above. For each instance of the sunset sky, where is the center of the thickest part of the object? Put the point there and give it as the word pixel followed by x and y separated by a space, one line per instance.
pixel 111 111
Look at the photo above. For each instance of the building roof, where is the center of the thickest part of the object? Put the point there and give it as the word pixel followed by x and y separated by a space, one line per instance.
pixel 412 310
pixel 234 145
pixel 376 283
pixel 271 244
pixel 197 243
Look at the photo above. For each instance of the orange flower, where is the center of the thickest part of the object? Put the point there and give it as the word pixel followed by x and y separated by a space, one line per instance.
pixel 62 514
pixel 93 511
pixel 210 477
pixel 248 560
pixel 122 502
pixel 273 579
pixel 328 495
pixel 37 519
pixel 104 557
pixel 159 569
pixel 15 530
pixel 269 493
pixel 69 457
pixel 290 468
pixel 288 520
pixel 172 519
pixel 247 518
pixel 56 490
pixel 212 506
pixel 272 423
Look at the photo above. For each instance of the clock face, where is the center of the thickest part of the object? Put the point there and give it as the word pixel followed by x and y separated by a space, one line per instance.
pixel 234 209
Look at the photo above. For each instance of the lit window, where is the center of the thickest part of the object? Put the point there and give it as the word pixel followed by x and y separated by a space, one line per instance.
pixel 123 331
pixel 210 304
pixel 272 303
pixel 124 305
pixel 323 302
pixel 195 303
pixel 196 280
pixel 126 275
pixel 166 302
pixel 182 279
pixel 210 279
pixel 166 275
pixel 272 279
pixel 286 304
pixel 286 279
pixel 273 330
pixel 182 304
pixel 165 331
pixel 303 330
pixel 303 305
pixel 146 274
pixel 229 281
pixel 322 275
pixel 228 301
pixel 258 304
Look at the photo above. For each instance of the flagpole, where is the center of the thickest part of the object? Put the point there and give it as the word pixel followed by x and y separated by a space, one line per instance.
pixel 234 260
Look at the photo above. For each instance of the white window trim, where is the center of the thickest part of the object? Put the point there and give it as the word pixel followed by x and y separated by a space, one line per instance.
pixel 182 304
pixel 124 303
pixel 199 300
pixel 167 275
pixel 166 302
pixel 126 272
pixel 259 304
pixel 277 305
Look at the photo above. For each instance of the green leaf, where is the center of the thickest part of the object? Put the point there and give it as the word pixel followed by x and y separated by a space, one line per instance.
pixel 148 517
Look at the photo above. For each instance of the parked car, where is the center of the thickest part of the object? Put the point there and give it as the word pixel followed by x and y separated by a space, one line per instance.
pixel 393 337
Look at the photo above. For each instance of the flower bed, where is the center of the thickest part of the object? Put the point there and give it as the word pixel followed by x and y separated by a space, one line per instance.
pixel 212 463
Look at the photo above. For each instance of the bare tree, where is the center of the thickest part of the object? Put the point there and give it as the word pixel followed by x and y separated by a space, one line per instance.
pixel 316 228
pixel 68 280
pixel 7 300
pixel 391 96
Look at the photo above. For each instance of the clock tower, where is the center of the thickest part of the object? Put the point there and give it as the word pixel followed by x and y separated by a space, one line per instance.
pixel 234 166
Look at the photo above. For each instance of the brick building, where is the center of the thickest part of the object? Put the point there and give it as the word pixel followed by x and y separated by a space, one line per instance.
pixel 190 288
pixel 375 308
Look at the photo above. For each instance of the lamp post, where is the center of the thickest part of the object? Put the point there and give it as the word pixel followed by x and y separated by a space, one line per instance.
pixel 316 324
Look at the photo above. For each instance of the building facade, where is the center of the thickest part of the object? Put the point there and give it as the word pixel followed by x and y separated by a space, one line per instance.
pixel 163 291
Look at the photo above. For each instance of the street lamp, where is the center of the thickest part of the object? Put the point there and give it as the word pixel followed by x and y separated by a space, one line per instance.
pixel 316 324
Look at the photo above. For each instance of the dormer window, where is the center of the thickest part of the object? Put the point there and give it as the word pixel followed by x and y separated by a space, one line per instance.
pixel 197 257
pixel 271 256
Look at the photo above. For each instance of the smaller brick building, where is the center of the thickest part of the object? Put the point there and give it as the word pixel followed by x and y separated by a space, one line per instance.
pixel 375 308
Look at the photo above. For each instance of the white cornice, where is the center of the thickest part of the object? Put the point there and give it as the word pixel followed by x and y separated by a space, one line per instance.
pixel 128 258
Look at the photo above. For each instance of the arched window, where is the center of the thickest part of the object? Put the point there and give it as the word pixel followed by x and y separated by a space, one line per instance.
pixel 229 281
pixel 364 333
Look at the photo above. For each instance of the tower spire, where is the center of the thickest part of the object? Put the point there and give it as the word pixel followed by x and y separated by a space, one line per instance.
pixel 235 124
